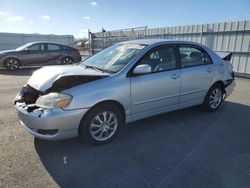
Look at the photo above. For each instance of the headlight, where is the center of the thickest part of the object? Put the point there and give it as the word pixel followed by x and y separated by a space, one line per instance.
pixel 53 100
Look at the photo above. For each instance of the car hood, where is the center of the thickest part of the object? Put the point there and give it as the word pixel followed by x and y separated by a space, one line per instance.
pixel 6 51
pixel 44 78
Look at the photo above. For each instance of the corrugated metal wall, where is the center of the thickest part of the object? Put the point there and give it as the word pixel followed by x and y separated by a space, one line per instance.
pixel 14 40
pixel 222 37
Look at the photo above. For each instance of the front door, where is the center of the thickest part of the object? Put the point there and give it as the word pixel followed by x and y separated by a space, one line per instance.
pixel 34 55
pixel 159 90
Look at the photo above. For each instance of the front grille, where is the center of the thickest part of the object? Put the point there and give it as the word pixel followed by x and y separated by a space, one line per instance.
pixel 47 132
pixel 29 95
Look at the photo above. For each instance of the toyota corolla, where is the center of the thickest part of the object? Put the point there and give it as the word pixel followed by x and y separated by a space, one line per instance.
pixel 125 82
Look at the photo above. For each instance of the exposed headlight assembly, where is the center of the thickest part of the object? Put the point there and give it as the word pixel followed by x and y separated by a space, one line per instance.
pixel 53 100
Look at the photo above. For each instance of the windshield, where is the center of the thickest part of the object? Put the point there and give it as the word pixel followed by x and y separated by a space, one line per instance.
pixel 23 47
pixel 114 58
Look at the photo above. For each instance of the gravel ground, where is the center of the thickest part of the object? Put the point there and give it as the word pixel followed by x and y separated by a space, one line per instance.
pixel 185 148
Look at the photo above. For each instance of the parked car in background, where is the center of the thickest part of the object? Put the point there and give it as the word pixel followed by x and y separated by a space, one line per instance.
pixel 39 54
pixel 120 84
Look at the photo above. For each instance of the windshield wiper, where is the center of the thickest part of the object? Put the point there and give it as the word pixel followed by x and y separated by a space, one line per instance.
pixel 98 69
pixel 92 67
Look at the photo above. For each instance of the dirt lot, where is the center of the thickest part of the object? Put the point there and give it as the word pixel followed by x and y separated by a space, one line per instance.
pixel 186 148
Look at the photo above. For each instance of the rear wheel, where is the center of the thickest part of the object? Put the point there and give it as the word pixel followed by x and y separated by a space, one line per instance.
pixel 12 64
pixel 214 98
pixel 67 60
pixel 101 124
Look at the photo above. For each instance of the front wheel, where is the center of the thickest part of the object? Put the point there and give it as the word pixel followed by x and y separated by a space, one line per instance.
pixel 12 64
pixel 213 99
pixel 101 124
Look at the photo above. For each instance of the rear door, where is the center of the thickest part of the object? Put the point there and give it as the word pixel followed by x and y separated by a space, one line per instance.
pixel 158 91
pixel 54 52
pixel 197 72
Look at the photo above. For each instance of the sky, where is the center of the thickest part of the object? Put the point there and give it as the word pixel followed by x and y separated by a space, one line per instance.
pixel 75 17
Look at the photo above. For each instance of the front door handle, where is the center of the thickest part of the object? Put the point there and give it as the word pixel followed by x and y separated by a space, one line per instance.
pixel 175 76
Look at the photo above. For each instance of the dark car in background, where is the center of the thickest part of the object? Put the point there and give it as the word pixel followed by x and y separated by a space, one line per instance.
pixel 39 54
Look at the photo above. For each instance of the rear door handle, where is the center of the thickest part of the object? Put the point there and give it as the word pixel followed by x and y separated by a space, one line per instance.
pixel 209 70
pixel 175 76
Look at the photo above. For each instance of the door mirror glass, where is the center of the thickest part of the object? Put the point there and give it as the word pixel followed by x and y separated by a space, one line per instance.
pixel 26 49
pixel 142 69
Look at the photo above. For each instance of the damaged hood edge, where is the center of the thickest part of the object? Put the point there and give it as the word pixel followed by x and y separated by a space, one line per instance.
pixel 43 78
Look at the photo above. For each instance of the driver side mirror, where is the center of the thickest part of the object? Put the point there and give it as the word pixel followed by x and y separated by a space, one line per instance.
pixel 26 49
pixel 142 69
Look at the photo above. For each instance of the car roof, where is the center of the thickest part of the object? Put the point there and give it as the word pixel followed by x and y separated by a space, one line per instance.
pixel 158 41
pixel 153 42
pixel 47 42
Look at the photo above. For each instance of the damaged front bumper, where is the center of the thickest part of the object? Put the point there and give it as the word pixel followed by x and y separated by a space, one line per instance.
pixel 55 124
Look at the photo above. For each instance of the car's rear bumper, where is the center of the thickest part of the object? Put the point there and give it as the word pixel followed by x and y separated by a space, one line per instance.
pixel 230 87
pixel 78 58
pixel 48 124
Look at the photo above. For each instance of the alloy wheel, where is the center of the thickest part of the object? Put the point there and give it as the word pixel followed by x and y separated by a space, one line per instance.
pixel 215 98
pixel 68 60
pixel 12 64
pixel 103 126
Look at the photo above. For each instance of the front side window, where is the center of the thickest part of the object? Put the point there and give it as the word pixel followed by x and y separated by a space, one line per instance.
pixel 160 59
pixel 23 47
pixel 191 56
pixel 114 58
pixel 35 47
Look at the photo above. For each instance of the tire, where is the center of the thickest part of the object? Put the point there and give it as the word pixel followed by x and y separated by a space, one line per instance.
pixel 12 64
pixel 213 98
pixel 95 129
pixel 67 60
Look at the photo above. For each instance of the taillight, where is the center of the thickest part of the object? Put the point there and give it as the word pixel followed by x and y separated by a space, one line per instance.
pixel 77 50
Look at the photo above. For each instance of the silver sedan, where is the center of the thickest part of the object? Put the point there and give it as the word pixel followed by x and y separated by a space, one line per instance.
pixel 122 83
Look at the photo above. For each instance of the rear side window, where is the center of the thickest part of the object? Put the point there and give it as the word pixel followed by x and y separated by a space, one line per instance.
pixel 160 59
pixel 191 56
pixel 53 47
pixel 66 48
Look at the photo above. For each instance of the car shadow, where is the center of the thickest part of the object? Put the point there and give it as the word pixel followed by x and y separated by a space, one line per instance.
pixel 151 151
pixel 21 72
